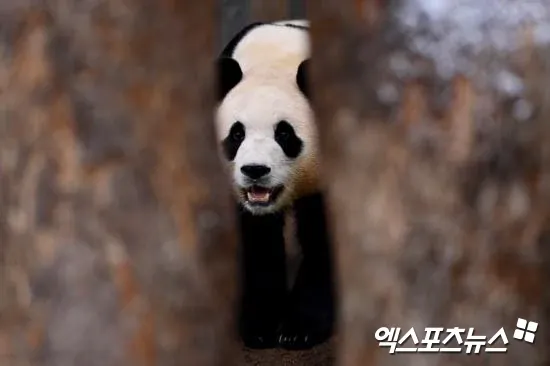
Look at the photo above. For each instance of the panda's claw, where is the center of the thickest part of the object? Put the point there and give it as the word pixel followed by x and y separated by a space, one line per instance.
pixel 302 338
pixel 259 341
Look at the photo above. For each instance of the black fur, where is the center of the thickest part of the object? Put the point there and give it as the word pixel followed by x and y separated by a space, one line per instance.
pixel 302 78
pixel 309 315
pixel 304 317
pixel 304 27
pixel 233 140
pixel 263 281
pixel 286 138
pixel 229 75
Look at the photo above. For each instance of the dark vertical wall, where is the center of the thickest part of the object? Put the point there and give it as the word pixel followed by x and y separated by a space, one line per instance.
pixel 235 14
pixel 297 8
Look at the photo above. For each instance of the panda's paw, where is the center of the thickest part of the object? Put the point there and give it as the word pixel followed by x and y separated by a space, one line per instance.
pixel 299 335
pixel 259 341
pixel 259 338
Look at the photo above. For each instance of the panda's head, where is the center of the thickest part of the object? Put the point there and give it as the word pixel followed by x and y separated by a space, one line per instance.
pixel 267 135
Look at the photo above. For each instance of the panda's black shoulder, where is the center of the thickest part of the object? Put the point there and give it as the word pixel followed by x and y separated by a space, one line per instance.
pixel 293 25
pixel 310 202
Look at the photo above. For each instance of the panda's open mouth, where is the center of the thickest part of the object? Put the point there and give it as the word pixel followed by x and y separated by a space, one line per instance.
pixel 258 195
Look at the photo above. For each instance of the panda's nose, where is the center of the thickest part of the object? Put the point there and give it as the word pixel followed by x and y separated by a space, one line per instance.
pixel 255 171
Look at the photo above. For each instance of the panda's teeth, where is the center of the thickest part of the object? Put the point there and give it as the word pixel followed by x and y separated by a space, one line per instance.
pixel 258 197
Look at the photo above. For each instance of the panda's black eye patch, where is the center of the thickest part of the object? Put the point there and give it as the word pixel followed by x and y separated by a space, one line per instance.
pixel 287 139
pixel 237 132
pixel 234 140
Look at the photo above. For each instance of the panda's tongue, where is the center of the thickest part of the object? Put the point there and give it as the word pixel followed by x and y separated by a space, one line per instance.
pixel 258 194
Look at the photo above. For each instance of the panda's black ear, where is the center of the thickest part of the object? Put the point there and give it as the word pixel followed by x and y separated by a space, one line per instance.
pixel 302 77
pixel 229 75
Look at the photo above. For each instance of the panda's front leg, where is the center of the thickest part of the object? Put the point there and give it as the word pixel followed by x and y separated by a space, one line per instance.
pixel 309 317
pixel 263 282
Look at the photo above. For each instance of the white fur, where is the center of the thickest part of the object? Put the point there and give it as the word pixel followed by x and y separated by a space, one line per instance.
pixel 273 50
pixel 269 57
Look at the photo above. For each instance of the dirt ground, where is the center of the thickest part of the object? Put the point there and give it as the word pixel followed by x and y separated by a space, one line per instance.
pixel 322 355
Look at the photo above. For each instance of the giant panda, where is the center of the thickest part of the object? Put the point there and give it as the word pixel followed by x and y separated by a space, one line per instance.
pixel 268 138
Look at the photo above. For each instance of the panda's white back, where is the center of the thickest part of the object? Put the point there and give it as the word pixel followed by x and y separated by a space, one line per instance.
pixel 273 48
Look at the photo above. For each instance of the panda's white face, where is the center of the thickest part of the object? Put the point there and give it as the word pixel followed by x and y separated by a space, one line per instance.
pixel 267 136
